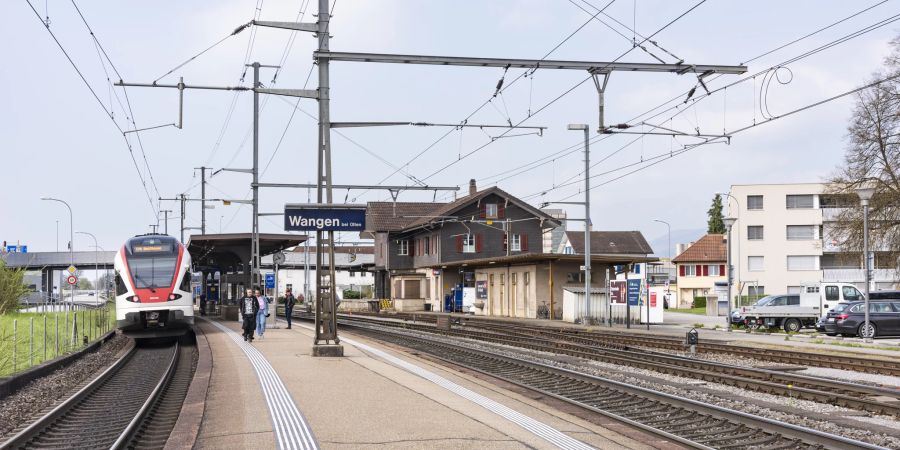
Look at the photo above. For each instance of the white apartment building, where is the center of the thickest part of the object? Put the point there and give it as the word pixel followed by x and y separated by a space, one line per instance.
pixel 782 239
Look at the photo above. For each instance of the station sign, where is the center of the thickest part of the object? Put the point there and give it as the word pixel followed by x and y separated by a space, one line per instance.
pixel 270 281
pixel 312 217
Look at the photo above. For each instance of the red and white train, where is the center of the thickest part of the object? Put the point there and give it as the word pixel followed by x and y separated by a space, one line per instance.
pixel 153 287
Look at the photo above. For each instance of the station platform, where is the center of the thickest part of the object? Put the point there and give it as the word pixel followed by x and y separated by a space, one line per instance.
pixel 274 394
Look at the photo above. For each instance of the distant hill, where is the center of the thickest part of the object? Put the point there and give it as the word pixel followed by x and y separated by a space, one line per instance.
pixel 678 237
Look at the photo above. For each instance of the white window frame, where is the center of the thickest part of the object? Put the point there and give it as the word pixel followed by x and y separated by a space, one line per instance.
pixel 787 232
pixel 516 243
pixel 469 243
pixel 714 270
pixel 403 247
pixel 690 270
pixel 491 211
pixel 813 258
pixel 750 266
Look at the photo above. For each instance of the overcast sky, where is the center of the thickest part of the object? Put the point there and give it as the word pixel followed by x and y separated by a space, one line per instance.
pixel 57 140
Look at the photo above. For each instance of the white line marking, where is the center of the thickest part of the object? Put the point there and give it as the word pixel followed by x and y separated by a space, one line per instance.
pixel 290 426
pixel 536 427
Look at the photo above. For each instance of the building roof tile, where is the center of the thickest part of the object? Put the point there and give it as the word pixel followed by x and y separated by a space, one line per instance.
pixel 710 248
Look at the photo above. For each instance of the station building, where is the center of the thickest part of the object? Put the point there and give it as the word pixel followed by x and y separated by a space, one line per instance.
pixel 482 253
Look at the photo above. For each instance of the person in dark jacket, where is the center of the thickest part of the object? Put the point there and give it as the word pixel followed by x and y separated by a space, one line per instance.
pixel 249 307
pixel 202 304
pixel 289 302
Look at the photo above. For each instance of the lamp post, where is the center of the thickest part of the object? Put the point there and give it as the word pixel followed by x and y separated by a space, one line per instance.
pixel 729 222
pixel 71 239
pixel 587 217
pixel 669 252
pixel 96 266
pixel 865 194
pixel 737 216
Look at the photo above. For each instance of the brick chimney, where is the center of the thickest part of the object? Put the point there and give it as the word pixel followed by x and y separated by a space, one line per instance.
pixel 472 188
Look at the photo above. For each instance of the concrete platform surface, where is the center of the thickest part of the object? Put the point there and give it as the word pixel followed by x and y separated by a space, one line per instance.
pixel 378 397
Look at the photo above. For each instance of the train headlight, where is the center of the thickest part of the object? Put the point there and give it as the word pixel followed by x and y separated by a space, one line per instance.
pixel 174 296
pixel 133 298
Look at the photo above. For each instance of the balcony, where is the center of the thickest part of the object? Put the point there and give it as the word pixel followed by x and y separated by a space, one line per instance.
pixel 859 276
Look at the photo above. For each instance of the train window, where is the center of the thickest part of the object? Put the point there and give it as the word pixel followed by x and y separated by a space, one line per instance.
pixel 120 285
pixel 186 282
pixel 155 272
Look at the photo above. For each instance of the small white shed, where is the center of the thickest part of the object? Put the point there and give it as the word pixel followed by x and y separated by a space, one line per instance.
pixel 574 304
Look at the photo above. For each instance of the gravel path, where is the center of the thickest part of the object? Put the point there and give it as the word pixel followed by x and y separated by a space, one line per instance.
pixel 47 391
pixel 676 385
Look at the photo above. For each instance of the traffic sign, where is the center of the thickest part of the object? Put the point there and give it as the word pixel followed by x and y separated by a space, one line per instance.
pixel 72 279
pixel 71 269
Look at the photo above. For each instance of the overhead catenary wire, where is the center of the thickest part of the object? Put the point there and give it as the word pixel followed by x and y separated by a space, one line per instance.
pixel 99 101
pixel 192 58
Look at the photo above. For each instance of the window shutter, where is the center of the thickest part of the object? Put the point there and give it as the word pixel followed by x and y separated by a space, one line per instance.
pixel 722 270
pixel 459 244
pixel 501 211
pixel 483 212
pixel 698 270
pixel 478 243
pixel 523 242
pixel 681 271
pixel 705 270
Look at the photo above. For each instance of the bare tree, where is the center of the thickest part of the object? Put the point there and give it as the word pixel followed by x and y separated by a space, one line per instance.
pixel 872 159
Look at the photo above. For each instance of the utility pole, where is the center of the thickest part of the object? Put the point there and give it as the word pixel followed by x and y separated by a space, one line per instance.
pixel 166 220
pixel 182 197
pixel 154 227
pixel 254 247
pixel 202 170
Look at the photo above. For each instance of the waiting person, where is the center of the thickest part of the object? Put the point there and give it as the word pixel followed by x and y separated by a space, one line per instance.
pixel 262 312
pixel 202 304
pixel 249 308
pixel 289 302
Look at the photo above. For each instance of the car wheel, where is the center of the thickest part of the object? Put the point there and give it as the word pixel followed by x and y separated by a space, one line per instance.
pixel 792 325
pixel 871 332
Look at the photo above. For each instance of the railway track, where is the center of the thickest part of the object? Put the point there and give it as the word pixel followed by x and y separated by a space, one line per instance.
pixel 840 393
pixel 132 404
pixel 626 339
pixel 688 422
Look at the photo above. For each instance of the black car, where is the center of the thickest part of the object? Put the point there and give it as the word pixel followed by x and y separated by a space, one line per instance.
pixel 848 318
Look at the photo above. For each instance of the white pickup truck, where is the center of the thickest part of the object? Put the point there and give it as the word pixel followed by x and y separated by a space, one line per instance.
pixel 795 311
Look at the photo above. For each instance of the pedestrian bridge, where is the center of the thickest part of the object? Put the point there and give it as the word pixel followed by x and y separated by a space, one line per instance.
pixel 58 260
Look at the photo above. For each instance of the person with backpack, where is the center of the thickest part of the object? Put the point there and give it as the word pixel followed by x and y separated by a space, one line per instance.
pixel 249 308
pixel 289 302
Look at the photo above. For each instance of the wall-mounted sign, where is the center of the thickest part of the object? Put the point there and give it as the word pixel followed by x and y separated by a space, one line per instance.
pixel 634 292
pixel 481 289
pixel 324 218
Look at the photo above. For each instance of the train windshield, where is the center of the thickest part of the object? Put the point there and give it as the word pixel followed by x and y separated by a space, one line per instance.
pixel 152 272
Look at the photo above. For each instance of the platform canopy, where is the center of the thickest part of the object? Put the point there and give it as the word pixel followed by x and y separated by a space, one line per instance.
pixel 230 252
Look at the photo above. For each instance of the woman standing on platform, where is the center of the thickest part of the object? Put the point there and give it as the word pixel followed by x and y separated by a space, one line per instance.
pixel 263 312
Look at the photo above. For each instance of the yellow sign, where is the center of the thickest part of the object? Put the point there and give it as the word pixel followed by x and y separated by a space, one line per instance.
pixel 71 269
pixel 226 202
pixel 490 222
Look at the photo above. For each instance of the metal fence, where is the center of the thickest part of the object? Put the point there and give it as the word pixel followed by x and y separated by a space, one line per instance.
pixel 42 332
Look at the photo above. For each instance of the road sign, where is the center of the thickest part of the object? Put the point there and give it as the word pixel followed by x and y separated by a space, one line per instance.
pixel 324 218
pixel 72 279
pixel 270 281
pixel 71 270
pixel 278 258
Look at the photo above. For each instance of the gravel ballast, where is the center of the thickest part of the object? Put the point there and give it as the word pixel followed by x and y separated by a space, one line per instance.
pixel 45 392
pixel 721 395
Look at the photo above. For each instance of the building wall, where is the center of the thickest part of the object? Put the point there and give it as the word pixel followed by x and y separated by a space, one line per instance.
pixel 491 235
pixel 364 281
pixel 689 287
pixel 774 247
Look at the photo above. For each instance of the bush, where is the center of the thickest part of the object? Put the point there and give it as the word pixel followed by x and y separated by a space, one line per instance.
pixel 699 302
pixel 352 295
pixel 12 288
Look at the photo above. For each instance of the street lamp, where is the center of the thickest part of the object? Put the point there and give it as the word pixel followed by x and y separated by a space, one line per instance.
pixel 71 239
pixel 865 194
pixel 587 216
pixel 669 251
pixel 737 205
pixel 729 222
pixel 96 266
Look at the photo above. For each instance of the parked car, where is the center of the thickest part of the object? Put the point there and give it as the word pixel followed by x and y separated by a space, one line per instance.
pixel 824 325
pixel 884 295
pixel 848 319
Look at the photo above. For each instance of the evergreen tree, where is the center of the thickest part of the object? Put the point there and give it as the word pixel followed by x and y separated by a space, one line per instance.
pixel 715 223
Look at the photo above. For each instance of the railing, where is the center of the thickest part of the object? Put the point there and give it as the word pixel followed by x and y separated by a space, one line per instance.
pixel 859 275
pixel 45 331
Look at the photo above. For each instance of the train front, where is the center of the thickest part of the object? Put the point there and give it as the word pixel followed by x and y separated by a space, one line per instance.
pixel 153 287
